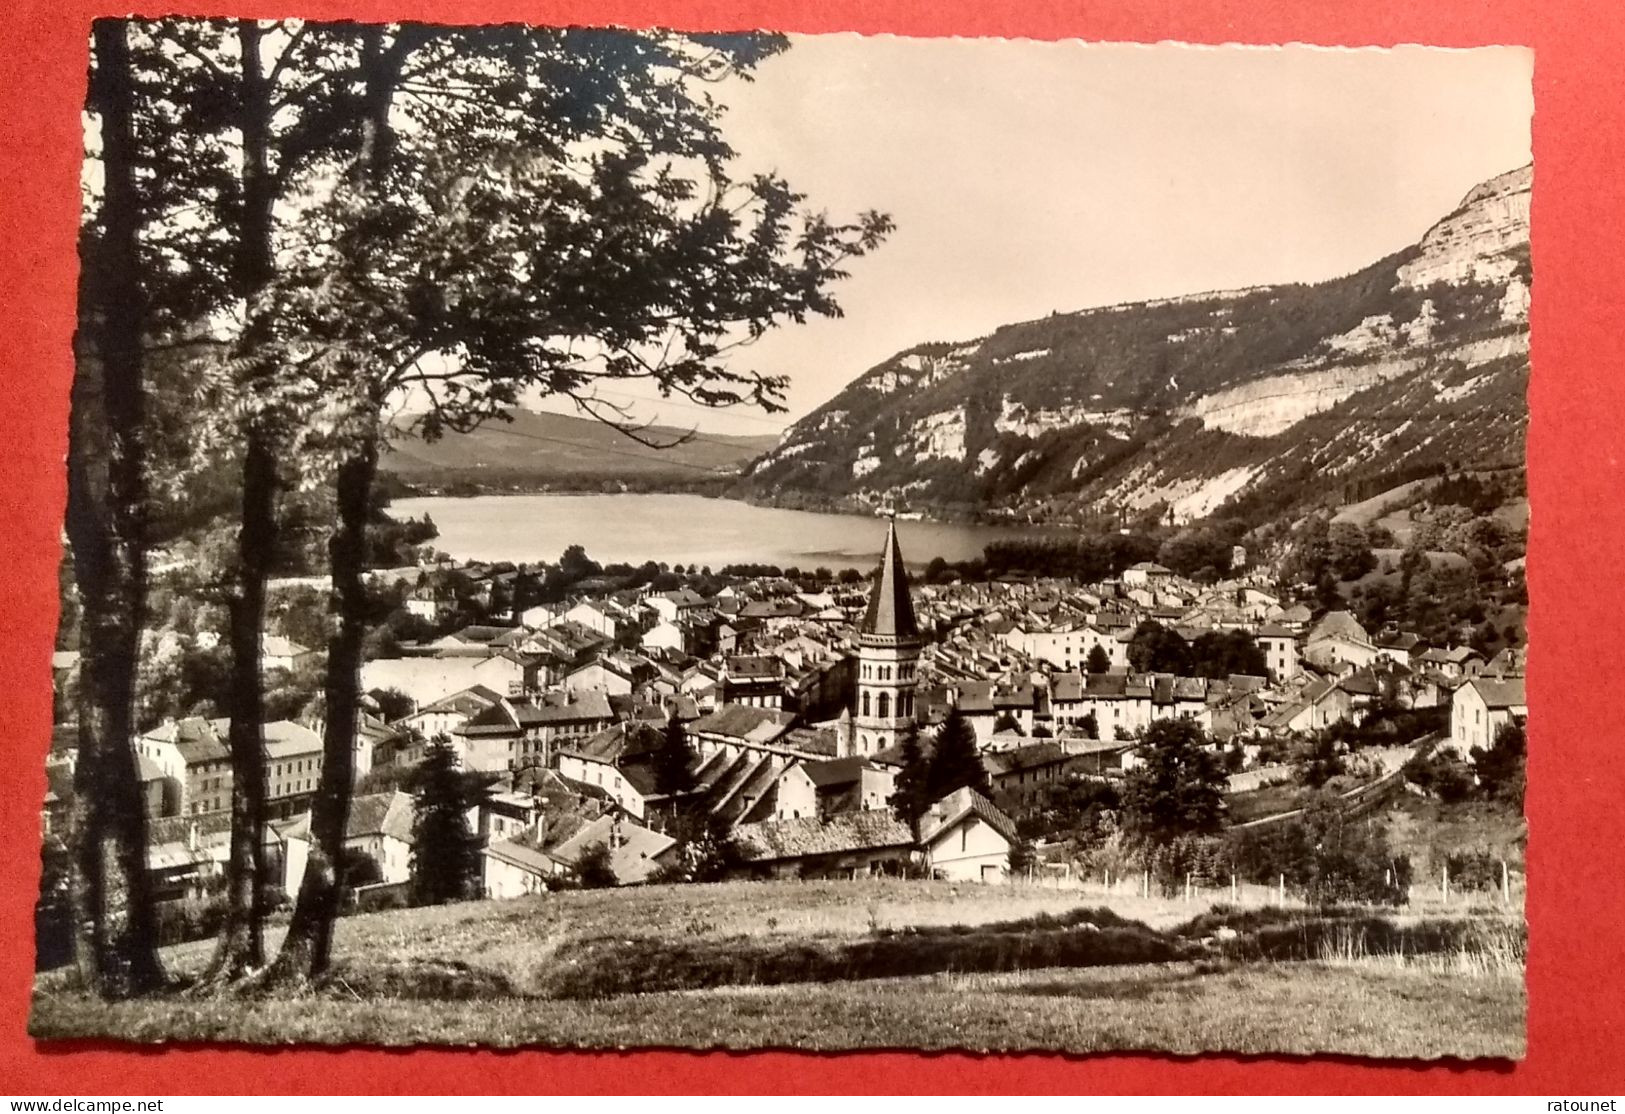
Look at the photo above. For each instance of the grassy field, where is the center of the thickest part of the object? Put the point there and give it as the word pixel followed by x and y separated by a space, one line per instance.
pixel 524 973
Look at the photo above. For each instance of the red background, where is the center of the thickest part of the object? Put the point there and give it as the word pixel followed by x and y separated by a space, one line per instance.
pixel 1577 822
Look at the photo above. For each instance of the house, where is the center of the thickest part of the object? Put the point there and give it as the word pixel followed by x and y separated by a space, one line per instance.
pixel 1318 705
pixel 1146 574
pixel 967 839
pixel 755 680
pixel 1481 707
pixel 850 845
pixel 734 727
pixel 850 784
pixel 293 766
pixel 379 826
pixel 516 868
pixel 277 652
pixel 1339 637
pixel 606 760
pixel 1019 776
pixel 192 753
pixel 1454 662
pixel 446 715
pixel 1280 648
pixel 519 732
pixel 676 605
pixel 635 852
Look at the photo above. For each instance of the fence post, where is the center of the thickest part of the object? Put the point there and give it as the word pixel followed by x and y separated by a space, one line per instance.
pixel 1283 890
pixel 1187 887
pixel 1232 888
pixel 1506 884
pixel 1444 883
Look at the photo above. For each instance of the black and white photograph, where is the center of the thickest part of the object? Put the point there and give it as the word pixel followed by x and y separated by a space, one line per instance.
pixel 601 538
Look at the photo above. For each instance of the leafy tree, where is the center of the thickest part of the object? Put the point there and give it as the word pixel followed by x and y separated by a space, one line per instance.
pixel 1158 649
pixel 1178 789
pixel 1349 551
pixel 1218 654
pixel 956 762
pixel 393 704
pixel 1098 660
pixel 445 852
pixel 1023 859
pixel 673 760
pixel 1321 762
pixel 705 850
pixel 595 870
pixel 604 204
pixel 1500 766
pixel 1090 726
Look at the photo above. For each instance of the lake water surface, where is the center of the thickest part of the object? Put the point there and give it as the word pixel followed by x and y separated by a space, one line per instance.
pixel 681 530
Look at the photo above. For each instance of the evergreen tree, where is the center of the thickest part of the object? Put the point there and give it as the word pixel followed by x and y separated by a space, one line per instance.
pixel 445 853
pixel 911 791
pixel 673 759
pixel 957 762
pixel 1178 790
pixel 1098 660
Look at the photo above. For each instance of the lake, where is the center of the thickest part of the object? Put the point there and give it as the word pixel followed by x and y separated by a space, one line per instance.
pixel 682 530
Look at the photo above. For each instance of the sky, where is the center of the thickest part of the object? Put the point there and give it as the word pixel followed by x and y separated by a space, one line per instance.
pixel 1027 177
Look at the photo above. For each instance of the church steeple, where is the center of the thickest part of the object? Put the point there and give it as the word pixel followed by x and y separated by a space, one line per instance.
pixel 891 611
pixel 889 646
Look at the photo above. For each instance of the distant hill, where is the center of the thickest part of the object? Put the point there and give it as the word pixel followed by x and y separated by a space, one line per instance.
pixel 543 450
pixel 1249 402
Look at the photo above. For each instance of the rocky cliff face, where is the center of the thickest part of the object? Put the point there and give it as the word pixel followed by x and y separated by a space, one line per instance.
pixel 1239 401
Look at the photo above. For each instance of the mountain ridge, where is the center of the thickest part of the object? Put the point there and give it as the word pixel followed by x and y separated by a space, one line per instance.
pixel 538 449
pixel 1133 408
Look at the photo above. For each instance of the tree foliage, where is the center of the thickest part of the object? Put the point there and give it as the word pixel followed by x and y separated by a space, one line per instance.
pixel 1177 789
pixel 956 762
pixel 445 851
pixel 674 760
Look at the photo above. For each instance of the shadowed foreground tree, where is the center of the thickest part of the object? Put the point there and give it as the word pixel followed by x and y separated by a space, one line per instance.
pixel 601 239
pixel 116 937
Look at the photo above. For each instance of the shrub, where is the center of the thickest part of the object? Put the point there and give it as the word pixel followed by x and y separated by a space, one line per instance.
pixel 1474 870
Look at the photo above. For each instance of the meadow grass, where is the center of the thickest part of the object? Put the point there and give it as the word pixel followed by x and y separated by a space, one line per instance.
pixel 876 963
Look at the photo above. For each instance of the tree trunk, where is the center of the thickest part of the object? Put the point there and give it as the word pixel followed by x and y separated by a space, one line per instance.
pixel 116 927
pixel 242 940
pixel 307 949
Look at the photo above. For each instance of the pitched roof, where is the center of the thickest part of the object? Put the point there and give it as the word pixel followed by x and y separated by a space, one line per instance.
pixel 389 813
pixel 632 856
pixel 953 808
pixel 742 721
pixel 849 831
pixel 890 614
pixel 521 855
pixel 1500 693
pixel 1339 624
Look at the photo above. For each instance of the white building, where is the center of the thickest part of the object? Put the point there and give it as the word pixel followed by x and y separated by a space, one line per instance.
pixel 1481 707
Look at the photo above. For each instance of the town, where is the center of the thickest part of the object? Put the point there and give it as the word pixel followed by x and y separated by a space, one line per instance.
pixel 790 705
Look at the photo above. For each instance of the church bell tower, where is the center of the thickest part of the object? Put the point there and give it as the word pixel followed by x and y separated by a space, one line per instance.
pixel 888 658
